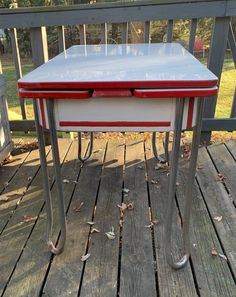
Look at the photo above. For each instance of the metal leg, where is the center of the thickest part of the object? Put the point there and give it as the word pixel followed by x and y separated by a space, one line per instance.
pixel 56 161
pixel 166 147
pixel 190 184
pixel 89 153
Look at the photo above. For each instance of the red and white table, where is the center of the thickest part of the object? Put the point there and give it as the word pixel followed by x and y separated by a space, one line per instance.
pixel 133 87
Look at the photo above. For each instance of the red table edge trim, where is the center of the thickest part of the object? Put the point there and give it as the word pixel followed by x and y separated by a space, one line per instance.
pixel 117 85
pixel 113 124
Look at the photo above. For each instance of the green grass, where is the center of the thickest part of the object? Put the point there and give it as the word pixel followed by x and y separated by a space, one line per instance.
pixel 227 87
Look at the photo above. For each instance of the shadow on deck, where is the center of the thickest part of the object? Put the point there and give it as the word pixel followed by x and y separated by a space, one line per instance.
pixel 132 264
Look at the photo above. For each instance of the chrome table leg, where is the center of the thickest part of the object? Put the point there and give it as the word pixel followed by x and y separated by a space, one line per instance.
pixel 57 168
pixel 89 153
pixel 189 189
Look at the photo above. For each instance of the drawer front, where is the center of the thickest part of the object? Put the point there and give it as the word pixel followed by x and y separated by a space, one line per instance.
pixel 118 114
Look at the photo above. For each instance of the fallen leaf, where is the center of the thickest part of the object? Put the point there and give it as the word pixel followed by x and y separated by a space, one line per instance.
pixel 125 190
pixel 65 181
pixel 75 181
pixel 85 257
pixel 214 252
pixel 155 182
pixel 177 184
pixel 94 230
pixel 121 222
pixel 218 218
pixel 149 226
pixel 29 178
pixel 155 222
pixel 91 223
pixel 28 219
pixel 220 177
pixel 123 206
pixel 77 209
pixel 223 256
pixel 111 234
pixel 130 205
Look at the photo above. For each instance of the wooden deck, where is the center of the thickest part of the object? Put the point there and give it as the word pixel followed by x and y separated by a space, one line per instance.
pixel 133 264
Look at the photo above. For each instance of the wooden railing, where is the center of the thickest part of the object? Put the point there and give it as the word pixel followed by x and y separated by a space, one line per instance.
pixel 37 19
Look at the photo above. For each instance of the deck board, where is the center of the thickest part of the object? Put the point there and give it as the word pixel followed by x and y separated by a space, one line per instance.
pixel 133 264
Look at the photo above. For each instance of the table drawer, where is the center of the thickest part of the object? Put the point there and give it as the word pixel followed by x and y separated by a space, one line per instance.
pixel 117 114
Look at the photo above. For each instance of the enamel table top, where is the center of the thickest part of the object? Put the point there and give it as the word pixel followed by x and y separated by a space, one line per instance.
pixel 164 65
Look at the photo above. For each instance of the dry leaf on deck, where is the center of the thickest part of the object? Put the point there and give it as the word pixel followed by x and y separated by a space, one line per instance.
pixel 123 206
pixel 130 205
pixel 111 234
pixel 28 219
pixel 218 218
pixel 65 181
pixel 223 256
pixel 214 252
pixel 85 257
pixel 77 209
pixel 94 230
pixel 220 177
pixel 125 190
pixel 90 223
pixel 155 182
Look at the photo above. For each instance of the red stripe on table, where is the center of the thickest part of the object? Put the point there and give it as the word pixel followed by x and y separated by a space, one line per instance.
pixel 190 112
pixel 175 93
pixel 42 113
pixel 119 84
pixel 35 94
pixel 112 93
pixel 114 124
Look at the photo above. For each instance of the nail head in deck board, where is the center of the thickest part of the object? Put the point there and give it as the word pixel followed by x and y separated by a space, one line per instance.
pixel 137 275
pixel 212 273
pixel 35 258
pixel 15 235
pixel 171 282
pixel 225 165
pixel 100 276
pixel 66 269
pixel 218 204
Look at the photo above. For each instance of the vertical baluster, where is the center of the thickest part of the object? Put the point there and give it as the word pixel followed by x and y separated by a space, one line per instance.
pixel 169 33
pixel 61 39
pixel 39 45
pixel 215 64
pixel 124 32
pixel 17 63
pixel 82 34
pixel 147 32
pixel 104 34
pixel 192 35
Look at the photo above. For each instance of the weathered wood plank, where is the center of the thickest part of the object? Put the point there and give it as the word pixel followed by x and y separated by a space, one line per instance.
pixel 14 193
pixel 218 204
pixel 212 273
pixel 61 38
pixel 36 258
pixel 225 165
pixel 15 235
pixel 101 269
pixel 170 282
pixel 137 276
pixel 8 170
pixel 66 269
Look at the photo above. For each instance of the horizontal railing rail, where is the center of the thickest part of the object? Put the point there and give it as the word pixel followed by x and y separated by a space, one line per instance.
pixel 36 19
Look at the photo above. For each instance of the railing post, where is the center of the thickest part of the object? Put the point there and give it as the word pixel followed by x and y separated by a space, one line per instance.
pixel 39 45
pixel 147 32
pixel 169 33
pixel 82 34
pixel 104 34
pixel 215 64
pixel 192 35
pixel 61 39
pixel 124 33
pixel 17 63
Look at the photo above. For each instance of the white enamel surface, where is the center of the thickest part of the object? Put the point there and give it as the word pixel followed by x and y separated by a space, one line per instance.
pixel 115 63
pixel 117 110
